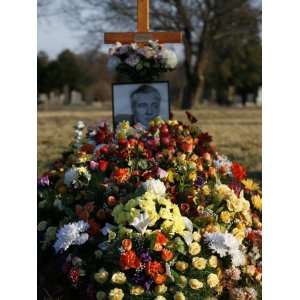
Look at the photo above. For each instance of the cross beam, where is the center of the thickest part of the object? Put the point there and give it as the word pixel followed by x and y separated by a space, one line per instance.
pixel 143 33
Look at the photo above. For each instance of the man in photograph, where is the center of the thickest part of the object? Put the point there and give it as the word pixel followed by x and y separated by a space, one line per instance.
pixel 145 104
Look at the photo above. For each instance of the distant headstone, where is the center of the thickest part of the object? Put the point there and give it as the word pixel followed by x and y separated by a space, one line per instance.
pixel 238 101
pixel 76 98
pixel 259 97
pixel 55 99
pixel 43 99
pixel 250 98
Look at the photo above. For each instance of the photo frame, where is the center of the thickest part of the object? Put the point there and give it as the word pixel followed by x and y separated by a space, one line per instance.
pixel 140 102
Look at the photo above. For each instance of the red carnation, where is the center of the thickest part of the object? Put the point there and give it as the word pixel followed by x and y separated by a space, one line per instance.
pixel 103 165
pixel 238 171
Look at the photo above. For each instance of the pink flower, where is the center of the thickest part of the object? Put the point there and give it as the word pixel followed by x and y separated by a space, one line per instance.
pixel 93 165
pixel 162 173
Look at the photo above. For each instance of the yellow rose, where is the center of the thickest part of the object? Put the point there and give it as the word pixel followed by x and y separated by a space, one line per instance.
pixel 116 294
pixel 193 176
pixel 212 280
pixel 195 284
pixel 206 190
pixel 119 278
pixel 257 202
pixel 161 289
pixel 101 276
pixel 137 290
pixel 160 298
pixel 235 204
pixel 181 266
pixel 179 296
pixel 223 191
pixel 100 295
pixel 170 176
pixel 182 281
pixel 239 233
pixel 251 270
pixel 196 236
pixel 194 248
pixel 213 261
pixel 199 263
pixel 225 217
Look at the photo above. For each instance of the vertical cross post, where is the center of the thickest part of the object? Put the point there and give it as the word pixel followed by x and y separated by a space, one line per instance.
pixel 143 16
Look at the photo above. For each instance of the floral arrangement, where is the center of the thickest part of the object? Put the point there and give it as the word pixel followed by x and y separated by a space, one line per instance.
pixel 141 63
pixel 148 214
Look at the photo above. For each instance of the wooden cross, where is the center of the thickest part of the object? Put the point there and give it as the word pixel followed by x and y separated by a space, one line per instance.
pixel 143 33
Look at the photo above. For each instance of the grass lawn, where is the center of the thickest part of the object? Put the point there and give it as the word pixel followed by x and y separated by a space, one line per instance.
pixel 236 132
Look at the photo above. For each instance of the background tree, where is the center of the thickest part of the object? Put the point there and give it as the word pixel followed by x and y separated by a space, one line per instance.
pixel 236 63
pixel 205 23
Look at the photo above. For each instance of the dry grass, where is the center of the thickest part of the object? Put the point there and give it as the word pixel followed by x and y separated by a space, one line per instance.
pixel 236 132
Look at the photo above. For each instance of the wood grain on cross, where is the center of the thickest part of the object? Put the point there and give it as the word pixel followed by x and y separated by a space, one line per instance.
pixel 143 33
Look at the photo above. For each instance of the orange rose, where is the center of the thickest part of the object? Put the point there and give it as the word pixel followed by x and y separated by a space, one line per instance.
pixel 157 247
pixel 129 260
pixel 166 255
pixel 160 278
pixel 127 244
pixel 153 268
pixel 161 239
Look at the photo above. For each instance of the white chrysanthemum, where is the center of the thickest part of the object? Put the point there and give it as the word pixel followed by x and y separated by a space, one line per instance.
pixel 169 58
pixel 70 176
pixel 225 244
pixel 113 63
pixel 155 186
pixel 237 258
pixel 71 234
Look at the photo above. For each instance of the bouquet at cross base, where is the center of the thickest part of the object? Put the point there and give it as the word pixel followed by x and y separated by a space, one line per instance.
pixel 144 63
pixel 148 214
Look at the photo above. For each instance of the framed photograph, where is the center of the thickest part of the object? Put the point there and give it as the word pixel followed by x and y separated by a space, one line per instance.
pixel 139 103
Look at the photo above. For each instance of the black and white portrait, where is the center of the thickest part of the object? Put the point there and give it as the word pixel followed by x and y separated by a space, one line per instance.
pixel 140 103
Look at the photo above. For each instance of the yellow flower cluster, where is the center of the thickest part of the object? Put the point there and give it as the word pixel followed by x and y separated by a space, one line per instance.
pixel 169 213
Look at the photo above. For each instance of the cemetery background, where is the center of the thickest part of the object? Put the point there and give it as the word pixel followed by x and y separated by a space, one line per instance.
pixel 78 86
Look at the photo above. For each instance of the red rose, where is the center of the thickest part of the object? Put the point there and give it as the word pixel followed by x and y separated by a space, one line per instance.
pixel 103 165
pixel 104 149
pixel 184 208
pixel 238 171
pixel 74 275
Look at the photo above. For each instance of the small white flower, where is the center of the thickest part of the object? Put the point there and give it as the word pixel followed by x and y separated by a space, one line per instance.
pixel 168 271
pixel 132 60
pixel 71 234
pixel 169 57
pixel 141 222
pixel 80 125
pixel 155 186
pixel 188 237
